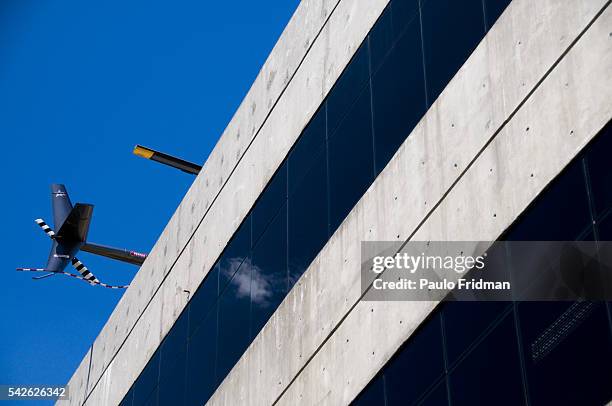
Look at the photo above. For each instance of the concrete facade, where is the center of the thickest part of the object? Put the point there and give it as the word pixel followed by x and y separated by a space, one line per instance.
pixel 544 66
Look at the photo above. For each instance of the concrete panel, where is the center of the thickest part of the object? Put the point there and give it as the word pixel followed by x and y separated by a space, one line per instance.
pixel 78 387
pixel 457 127
pixel 137 350
pixel 563 114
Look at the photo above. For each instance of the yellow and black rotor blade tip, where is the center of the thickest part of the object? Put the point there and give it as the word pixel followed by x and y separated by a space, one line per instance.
pixel 166 159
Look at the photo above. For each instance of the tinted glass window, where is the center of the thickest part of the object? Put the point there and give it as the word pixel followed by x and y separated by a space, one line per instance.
pixel 567 352
pixel 416 366
pixel 561 213
pixel 269 272
pixel 348 87
pixel 605 229
pixel 398 95
pixel 493 9
pixel 171 390
pixel 381 38
pixel 152 400
pixel 373 394
pixel 451 31
pixel 464 322
pixel 237 251
pixel 173 363
pixel 127 400
pixel 350 160
pixel 269 203
pixel 600 170
pixel 308 219
pixel 490 374
pixel 437 397
pixel 234 311
pixel 147 381
pixel 204 299
pixel 174 346
pixel 201 359
pixel 403 13
pixel 308 148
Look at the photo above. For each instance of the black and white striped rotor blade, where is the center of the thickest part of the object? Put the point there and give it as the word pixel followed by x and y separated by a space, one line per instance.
pixel 87 276
pixel 104 285
pixel 50 273
pixel 41 223
pixel 82 269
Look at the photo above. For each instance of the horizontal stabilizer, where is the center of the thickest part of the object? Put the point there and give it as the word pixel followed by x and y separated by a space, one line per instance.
pixel 76 225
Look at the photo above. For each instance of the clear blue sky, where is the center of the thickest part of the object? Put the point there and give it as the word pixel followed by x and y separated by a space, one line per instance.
pixel 80 83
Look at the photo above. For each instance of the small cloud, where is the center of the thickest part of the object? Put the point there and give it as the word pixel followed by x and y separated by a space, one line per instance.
pixel 256 284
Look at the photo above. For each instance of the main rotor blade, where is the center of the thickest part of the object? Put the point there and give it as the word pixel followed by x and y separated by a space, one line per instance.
pixel 178 163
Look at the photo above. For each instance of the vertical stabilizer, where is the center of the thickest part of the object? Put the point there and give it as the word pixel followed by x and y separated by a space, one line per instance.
pixel 60 203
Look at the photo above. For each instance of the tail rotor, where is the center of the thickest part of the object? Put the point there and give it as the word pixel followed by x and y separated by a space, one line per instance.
pixel 45 227
pixel 72 225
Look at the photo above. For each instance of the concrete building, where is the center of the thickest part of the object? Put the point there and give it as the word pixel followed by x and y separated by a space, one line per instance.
pixel 378 120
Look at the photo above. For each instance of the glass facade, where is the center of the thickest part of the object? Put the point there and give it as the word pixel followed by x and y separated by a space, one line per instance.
pixel 395 75
pixel 535 353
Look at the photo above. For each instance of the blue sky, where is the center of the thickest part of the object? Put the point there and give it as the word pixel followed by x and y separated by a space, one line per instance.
pixel 80 84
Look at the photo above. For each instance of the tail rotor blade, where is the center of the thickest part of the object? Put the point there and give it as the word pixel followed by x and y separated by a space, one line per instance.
pixel 87 276
pixel 45 227
pixel 104 285
pixel 82 269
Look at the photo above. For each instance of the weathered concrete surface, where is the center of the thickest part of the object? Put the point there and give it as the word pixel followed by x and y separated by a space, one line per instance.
pixel 483 95
pixel 243 161
pixel 77 389
pixel 563 114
